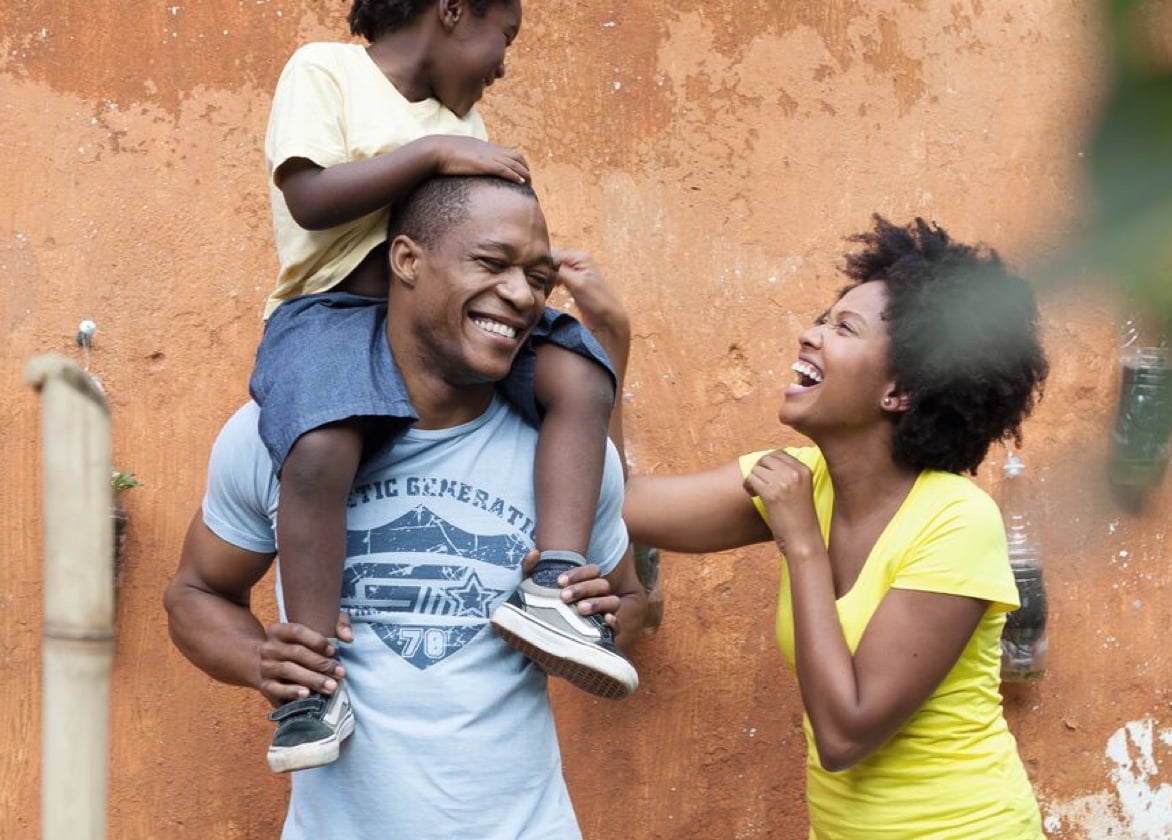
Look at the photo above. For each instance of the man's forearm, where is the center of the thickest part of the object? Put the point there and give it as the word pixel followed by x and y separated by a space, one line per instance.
pixel 632 613
pixel 631 617
pixel 220 637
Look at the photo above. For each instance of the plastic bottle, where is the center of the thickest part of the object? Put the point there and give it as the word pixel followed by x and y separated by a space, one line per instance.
pixel 1139 442
pixel 1023 640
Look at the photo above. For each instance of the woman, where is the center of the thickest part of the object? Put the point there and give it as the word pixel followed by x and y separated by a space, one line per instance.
pixel 895 579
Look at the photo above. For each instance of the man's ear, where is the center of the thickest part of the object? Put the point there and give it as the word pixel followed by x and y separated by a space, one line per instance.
pixel 405 256
pixel 450 12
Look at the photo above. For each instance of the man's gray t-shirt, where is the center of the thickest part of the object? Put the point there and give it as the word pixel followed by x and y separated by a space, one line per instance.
pixel 455 736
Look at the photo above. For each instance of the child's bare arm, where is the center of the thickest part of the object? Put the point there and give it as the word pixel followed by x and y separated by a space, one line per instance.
pixel 599 308
pixel 320 198
pixel 602 312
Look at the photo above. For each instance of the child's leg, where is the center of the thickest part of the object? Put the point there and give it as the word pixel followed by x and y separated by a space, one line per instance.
pixel 577 395
pixel 311 539
pixel 318 361
pixel 311 522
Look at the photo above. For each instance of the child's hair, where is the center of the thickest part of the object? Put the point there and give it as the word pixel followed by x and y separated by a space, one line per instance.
pixel 964 342
pixel 372 18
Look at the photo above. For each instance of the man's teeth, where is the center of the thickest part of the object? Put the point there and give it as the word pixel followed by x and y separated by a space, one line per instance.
pixel 495 327
pixel 807 372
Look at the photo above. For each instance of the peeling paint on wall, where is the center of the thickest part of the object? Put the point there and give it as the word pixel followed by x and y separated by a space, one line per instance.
pixel 713 154
pixel 1139 804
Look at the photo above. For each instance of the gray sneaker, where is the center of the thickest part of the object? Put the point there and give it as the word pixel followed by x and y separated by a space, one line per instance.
pixel 310 731
pixel 563 642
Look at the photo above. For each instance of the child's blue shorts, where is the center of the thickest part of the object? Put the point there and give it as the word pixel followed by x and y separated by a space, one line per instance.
pixel 325 358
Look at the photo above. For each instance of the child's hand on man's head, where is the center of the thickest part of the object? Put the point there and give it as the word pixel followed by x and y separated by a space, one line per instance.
pixel 455 155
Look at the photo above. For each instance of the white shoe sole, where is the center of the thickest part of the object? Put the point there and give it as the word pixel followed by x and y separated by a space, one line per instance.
pixel 587 665
pixel 317 754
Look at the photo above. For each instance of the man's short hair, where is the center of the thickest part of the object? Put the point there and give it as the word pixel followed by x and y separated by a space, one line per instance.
pixel 440 203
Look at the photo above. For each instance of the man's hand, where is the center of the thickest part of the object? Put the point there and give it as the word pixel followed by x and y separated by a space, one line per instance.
pixel 295 660
pixel 585 587
pixel 456 155
pixel 590 592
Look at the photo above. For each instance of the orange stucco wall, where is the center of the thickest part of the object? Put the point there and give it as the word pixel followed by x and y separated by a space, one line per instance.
pixel 712 154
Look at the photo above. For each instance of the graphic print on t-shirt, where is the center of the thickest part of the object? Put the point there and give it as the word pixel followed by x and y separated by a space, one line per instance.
pixel 423 583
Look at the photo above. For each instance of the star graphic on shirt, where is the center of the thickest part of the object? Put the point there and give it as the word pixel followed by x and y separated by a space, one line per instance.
pixel 474 597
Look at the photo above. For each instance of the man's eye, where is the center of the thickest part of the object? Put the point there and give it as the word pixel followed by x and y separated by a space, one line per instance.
pixel 845 326
pixel 495 266
pixel 542 281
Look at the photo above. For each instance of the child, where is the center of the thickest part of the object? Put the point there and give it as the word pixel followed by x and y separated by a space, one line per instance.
pixel 353 130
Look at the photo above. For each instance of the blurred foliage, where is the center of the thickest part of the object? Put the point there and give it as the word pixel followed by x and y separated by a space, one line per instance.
pixel 1130 161
pixel 121 480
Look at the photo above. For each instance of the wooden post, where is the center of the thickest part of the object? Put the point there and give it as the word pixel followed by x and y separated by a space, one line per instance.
pixel 79 599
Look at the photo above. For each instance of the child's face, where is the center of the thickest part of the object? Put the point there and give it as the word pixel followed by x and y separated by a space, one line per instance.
pixel 474 56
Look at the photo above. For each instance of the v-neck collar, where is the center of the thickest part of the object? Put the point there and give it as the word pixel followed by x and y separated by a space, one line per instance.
pixel 869 562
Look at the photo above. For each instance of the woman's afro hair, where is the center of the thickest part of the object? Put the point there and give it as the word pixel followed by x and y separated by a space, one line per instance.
pixel 964 342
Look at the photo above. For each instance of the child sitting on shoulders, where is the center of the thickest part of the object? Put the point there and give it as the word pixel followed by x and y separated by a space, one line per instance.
pixel 352 130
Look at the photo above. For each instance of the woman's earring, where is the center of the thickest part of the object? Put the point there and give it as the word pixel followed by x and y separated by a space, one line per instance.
pixel 888 403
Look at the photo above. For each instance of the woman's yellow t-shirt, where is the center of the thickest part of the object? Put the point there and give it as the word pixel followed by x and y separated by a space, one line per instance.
pixel 952 771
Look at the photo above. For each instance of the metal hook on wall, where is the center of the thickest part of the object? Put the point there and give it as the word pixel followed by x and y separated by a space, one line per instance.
pixel 85 340
pixel 85 337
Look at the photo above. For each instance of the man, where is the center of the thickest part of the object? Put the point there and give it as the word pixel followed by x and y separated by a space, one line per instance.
pixel 457 736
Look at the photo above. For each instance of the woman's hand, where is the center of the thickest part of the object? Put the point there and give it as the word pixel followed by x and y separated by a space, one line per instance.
pixel 786 488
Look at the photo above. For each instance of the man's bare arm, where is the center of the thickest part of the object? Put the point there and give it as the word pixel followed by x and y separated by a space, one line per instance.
pixel 209 609
pixel 631 614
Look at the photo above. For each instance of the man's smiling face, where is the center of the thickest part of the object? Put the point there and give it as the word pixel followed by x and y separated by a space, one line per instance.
pixel 480 287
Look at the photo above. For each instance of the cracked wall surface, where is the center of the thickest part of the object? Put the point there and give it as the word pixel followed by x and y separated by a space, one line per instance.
pixel 713 155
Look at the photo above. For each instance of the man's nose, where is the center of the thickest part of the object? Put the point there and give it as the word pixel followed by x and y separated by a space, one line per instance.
pixel 515 287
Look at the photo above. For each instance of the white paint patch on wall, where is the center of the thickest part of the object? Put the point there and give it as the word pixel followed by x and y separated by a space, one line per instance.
pixel 1140 806
pixel 1138 751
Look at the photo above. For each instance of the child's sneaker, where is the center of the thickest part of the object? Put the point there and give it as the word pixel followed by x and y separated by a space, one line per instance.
pixel 310 731
pixel 566 644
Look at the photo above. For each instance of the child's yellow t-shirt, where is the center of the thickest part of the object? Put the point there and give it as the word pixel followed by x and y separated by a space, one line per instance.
pixel 953 770
pixel 333 105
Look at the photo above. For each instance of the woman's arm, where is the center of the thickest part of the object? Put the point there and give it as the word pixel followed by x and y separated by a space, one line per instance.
pixel 856 703
pixel 695 513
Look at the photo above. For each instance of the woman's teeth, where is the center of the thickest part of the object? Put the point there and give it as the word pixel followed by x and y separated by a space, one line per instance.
pixel 807 374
